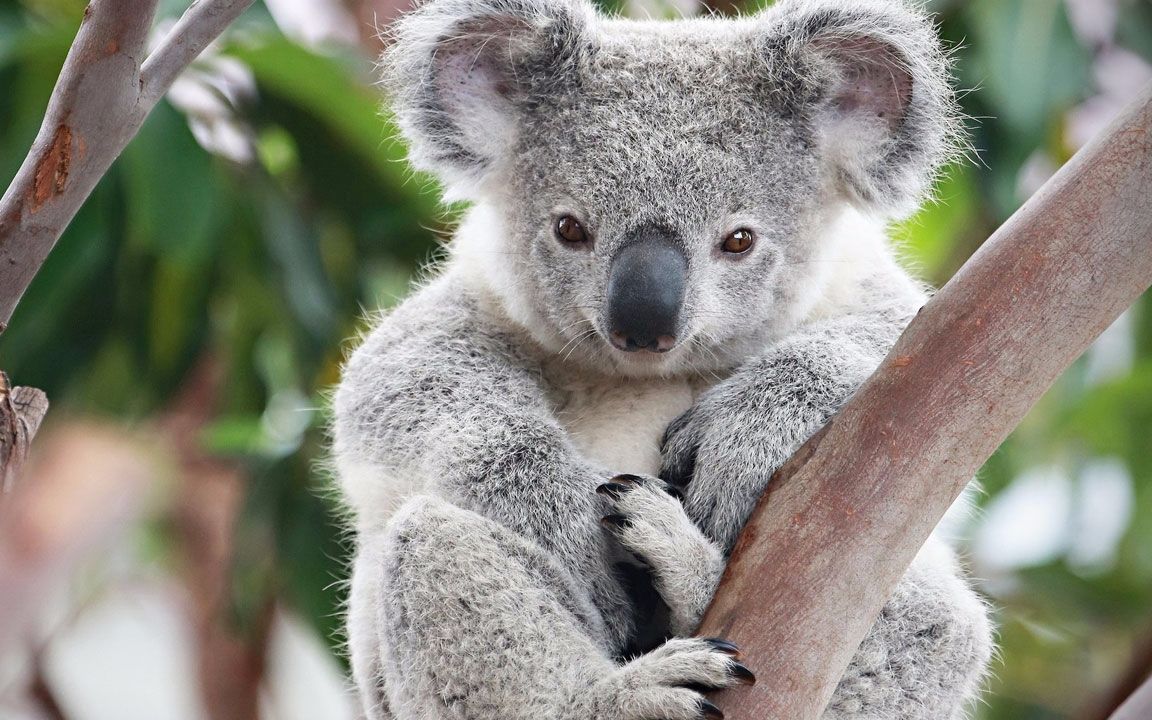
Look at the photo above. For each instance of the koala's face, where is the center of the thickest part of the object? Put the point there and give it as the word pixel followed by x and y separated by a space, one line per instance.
pixel 656 209
pixel 660 188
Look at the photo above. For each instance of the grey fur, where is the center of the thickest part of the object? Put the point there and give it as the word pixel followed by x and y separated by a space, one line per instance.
pixel 476 421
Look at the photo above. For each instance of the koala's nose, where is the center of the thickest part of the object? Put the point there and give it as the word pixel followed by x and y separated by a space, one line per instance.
pixel 646 291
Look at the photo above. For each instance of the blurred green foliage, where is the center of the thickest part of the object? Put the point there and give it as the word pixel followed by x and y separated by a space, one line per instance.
pixel 267 263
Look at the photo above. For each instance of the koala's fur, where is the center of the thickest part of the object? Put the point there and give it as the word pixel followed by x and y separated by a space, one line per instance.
pixel 477 420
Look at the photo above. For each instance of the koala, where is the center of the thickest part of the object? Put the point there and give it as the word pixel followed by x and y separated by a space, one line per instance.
pixel 674 270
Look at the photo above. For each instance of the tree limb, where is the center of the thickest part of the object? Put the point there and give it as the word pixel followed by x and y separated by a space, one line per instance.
pixel 105 91
pixel 1139 706
pixel 195 30
pixel 841 522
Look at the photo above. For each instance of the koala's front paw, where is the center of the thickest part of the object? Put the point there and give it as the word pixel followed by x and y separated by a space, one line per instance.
pixel 667 683
pixel 720 454
pixel 680 445
pixel 650 522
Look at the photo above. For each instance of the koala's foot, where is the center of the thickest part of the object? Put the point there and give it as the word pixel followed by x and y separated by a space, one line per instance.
pixel 649 521
pixel 667 683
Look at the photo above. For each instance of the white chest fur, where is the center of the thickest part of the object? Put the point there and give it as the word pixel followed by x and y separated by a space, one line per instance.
pixel 618 423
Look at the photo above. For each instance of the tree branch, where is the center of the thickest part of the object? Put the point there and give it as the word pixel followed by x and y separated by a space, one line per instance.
pixel 195 30
pixel 100 101
pixel 841 522
pixel 1139 706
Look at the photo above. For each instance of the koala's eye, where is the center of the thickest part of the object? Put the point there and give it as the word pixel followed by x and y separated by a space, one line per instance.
pixel 738 242
pixel 570 230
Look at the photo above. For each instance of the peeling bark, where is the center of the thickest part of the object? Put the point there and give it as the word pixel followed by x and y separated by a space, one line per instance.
pixel 21 411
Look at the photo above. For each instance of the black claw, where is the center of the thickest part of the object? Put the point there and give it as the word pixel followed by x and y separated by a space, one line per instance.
pixel 616 521
pixel 710 711
pixel 722 645
pixel 743 675
pixel 628 479
pixel 613 490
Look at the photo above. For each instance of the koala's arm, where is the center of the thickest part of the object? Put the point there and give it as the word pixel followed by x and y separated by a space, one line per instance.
pixel 721 453
pixel 725 448
pixel 439 400
pixel 927 653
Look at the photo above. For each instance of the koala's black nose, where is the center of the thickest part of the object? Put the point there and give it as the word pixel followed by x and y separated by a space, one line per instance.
pixel 645 291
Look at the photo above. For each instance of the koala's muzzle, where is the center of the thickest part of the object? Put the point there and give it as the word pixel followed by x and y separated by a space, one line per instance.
pixel 646 291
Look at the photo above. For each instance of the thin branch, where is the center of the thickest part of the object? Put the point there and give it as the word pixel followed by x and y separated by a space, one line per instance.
pixel 1139 706
pixel 1138 670
pixel 99 103
pixel 195 30
pixel 843 519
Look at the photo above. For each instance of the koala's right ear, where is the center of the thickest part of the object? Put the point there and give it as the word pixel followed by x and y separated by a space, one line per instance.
pixel 460 70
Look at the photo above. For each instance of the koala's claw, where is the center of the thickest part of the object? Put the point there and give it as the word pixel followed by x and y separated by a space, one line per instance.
pixel 616 522
pixel 668 683
pixel 709 711
pixel 612 490
pixel 628 479
pixel 722 645
pixel 742 674
pixel 620 484
pixel 647 517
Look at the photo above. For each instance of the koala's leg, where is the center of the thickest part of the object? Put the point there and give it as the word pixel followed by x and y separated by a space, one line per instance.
pixel 470 620
pixel 363 634
pixel 441 400
pixel 925 657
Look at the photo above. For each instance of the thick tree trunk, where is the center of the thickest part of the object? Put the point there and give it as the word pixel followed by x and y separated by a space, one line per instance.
pixel 843 519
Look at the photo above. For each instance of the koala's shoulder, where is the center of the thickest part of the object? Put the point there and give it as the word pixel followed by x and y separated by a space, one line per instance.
pixel 444 322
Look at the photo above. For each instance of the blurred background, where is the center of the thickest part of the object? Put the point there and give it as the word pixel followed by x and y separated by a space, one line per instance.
pixel 175 550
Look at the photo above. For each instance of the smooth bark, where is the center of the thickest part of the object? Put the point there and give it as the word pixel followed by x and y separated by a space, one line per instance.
pixel 843 519
pixel 1139 706
pixel 106 89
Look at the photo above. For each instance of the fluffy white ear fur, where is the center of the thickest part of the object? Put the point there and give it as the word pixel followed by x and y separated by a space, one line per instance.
pixel 868 97
pixel 885 113
pixel 457 70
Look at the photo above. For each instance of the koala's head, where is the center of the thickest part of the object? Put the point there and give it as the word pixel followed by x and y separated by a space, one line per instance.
pixel 654 194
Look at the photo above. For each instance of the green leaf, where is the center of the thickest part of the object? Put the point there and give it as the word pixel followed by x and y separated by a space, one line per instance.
pixel 1027 62
pixel 932 237
pixel 174 197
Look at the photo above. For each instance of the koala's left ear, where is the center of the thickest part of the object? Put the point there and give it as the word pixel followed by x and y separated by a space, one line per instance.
pixel 461 71
pixel 870 79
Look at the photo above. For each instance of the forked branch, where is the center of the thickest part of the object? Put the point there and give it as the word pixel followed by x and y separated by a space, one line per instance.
pixel 105 91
